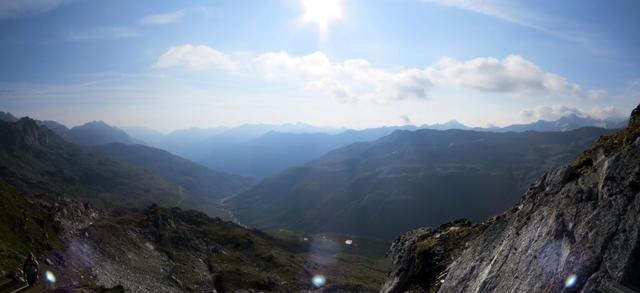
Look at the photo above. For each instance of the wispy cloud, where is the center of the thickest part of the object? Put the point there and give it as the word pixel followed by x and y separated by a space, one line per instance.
pixel 163 18
pixel 507 11
pixel 19 8
pixel 103 33
pixel 172 16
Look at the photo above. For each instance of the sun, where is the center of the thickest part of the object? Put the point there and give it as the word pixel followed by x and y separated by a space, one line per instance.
pixel 321 12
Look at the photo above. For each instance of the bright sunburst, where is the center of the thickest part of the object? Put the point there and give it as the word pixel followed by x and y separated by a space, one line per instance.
pixel 321 12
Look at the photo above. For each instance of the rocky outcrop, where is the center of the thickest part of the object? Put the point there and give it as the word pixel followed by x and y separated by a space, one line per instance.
pixel 420 257
pixel 575 230
pixel 23 133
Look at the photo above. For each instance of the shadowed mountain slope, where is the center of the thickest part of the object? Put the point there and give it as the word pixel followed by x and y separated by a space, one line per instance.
pixel 35 160
pixel 196 179
pixel 408 179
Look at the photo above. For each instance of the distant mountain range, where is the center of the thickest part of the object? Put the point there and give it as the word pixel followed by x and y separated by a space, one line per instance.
pixel 261 150
pixel 384 187
pixel 276 151
pixel 566 123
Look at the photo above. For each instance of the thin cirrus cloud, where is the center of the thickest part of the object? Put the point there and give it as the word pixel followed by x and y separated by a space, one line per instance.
pixel 163 18
pixel 16 9
pixel 507 11
pixel 357 79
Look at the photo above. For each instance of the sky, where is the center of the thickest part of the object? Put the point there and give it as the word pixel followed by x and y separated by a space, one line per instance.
pixel 338 63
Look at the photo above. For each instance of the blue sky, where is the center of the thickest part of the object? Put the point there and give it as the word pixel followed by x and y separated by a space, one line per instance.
pixel 347 63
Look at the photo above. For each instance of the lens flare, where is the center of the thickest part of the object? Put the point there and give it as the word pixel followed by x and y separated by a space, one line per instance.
pixel 51 278
pixel 571 281
pixel 318 281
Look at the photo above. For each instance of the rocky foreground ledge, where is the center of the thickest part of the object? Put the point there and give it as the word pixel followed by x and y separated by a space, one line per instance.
pixel 575 230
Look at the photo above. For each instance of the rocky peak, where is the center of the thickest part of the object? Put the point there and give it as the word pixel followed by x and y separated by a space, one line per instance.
pixel 97 133
pixel 634 120
pixel 7 117
pixel 608 145
pixel 24 132
pixel 420 257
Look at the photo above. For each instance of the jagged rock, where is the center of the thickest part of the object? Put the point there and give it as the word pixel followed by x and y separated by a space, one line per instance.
pixel 420 257
pixel 577 229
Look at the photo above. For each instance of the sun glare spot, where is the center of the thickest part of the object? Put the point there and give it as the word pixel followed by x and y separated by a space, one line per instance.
pixel 321 12
pixel 571 281
pixel 51 278
pixel 319 281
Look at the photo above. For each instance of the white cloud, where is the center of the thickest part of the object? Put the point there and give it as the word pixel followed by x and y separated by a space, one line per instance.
pixel 163 18
pixel 348 81
pixel 332 88
pixel 554 112
pixel 103 33
pixel 513 74
pixel 18 8
pixel 357 79
pixel 196 58
pixel 607 112
pixel 596 94
pixel 275 64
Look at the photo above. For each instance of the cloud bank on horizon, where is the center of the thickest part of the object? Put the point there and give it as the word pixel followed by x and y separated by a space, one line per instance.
pixel 332 63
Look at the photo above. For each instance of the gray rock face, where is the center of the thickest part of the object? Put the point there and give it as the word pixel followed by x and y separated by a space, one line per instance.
pixel 576 229
pixel 587 228
pixel 402 252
